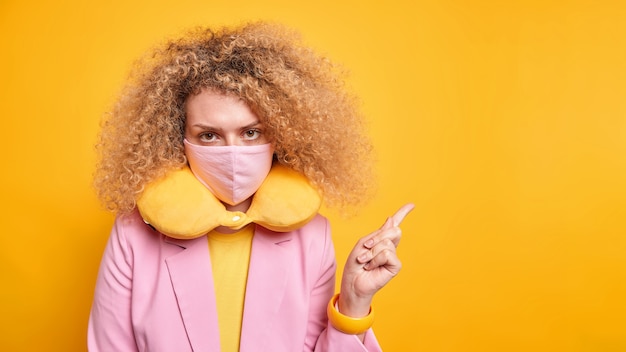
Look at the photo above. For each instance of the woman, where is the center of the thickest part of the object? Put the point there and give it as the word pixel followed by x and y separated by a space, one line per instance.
pixel 215 159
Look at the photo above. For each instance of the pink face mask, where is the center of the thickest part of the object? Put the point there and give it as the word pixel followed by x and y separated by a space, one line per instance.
pixel 231 173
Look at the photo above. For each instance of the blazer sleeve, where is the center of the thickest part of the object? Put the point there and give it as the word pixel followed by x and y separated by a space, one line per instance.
pixel 325 336
pixel 110 327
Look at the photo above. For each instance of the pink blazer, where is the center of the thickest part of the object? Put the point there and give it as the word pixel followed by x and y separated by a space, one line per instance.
pixel 155 293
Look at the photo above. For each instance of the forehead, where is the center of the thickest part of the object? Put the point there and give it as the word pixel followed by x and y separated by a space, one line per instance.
pixel 217 109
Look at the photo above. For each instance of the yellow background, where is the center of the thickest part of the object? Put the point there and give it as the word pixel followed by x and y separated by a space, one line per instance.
pixel 503 121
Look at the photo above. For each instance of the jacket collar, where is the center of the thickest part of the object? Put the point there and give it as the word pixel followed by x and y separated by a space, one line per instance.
pixel 192 280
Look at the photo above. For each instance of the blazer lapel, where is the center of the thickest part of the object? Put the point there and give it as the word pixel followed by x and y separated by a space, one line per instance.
pixel 267 279
pixel 192 281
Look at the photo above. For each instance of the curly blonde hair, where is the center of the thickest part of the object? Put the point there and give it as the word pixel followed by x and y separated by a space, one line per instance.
pixel 299 96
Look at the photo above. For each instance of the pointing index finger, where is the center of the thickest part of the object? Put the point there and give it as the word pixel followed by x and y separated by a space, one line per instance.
pixel 401 214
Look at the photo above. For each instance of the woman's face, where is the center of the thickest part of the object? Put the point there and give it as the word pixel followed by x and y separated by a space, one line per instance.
pixel 214 119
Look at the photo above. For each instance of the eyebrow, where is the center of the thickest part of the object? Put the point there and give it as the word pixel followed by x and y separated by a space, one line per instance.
pixel 217 129
pixel 205 127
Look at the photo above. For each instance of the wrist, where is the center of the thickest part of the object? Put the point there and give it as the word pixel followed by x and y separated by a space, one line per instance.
pixel 353 305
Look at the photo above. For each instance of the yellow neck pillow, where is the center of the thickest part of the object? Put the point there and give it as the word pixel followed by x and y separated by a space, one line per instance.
pixel 181 207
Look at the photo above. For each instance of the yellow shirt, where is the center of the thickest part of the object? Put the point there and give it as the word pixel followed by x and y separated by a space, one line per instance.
pixel 230 258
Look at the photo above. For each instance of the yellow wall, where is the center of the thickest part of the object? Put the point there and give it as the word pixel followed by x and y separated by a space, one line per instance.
pixel 504 122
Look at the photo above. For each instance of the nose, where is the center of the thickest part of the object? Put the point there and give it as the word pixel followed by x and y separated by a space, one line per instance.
pixel 233 140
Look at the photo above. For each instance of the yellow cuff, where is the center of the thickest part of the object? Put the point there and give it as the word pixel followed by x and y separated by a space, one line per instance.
pixel 346 324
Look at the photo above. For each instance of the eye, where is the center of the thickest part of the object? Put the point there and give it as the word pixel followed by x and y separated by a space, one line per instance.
pixel 207 137
pixel 252 134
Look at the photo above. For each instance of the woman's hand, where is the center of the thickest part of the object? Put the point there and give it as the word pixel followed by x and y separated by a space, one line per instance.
pixel 371 265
